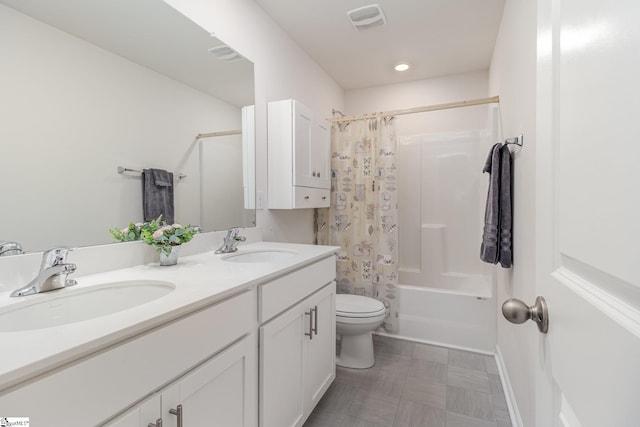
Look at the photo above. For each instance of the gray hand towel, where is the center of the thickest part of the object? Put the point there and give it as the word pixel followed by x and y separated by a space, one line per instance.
pixel 489 247
pixel 157 195
pixel 506 208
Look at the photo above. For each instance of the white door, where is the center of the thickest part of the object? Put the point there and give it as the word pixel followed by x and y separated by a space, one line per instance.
pixel 588 212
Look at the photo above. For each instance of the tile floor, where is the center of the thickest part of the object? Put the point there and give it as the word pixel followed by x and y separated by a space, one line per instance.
pixel 415 385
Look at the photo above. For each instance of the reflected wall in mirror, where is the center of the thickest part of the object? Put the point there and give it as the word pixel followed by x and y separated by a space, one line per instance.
pixel 90 85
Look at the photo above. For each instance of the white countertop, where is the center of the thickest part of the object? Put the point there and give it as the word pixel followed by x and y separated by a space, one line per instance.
pixel 199 280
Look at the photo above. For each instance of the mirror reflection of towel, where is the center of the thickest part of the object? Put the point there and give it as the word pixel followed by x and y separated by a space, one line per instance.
pixel 157 195
pixel 497 241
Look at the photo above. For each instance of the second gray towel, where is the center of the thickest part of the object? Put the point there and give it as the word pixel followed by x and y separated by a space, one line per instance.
pixel 157 195
pixel 498 219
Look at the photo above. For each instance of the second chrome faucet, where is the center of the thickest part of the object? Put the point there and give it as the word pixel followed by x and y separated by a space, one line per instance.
pixel 231 240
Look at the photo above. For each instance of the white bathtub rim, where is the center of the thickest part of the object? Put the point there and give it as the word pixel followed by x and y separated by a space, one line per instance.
pixel 474 294
pixel 435 343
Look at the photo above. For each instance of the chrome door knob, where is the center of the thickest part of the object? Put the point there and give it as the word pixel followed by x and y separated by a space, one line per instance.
pixel 516 311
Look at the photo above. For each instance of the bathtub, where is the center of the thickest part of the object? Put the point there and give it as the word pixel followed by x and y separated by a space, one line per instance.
pixel 461 313
pixel 446 294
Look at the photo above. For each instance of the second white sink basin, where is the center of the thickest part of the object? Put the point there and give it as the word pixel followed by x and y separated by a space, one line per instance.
pixel 260 255
pixel 76 305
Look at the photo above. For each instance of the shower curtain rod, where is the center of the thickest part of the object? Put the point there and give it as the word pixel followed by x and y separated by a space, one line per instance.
pixel 214 134
pixel 469 103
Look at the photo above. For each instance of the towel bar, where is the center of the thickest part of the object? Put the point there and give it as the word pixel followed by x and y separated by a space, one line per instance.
pixel 516 140
pixel 122 170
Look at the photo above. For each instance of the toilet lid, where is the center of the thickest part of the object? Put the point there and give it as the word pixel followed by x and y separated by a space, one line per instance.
pixel 348 305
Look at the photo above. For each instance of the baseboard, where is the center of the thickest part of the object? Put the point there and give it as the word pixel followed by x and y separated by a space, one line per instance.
pixel 439 344
pixel 514 413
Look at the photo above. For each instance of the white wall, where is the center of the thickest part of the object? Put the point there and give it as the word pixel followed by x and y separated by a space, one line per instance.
pixel 513 77
pixel 72 111
pixel 426 92
pixel 221 191
pixel 282 70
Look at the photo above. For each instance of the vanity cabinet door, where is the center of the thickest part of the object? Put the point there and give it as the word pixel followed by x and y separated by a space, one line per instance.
pixel 322 154
pixel 221 392
pixel 303 132
pixel 140 415
pixel 297 356
pixel 320 352
pixel 281 367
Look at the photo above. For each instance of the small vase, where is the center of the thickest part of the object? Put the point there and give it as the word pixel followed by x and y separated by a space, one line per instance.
pixel 172 258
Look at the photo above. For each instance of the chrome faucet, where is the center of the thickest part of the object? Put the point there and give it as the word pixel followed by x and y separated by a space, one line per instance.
pixel 53 273
pixel 231 241
pixel 10 248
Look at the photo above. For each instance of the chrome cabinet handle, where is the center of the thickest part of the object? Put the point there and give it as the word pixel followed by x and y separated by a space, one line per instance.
pixel 310 333
pixel 177 412
pixel 516 311
pixel 158 423
pixel 315 319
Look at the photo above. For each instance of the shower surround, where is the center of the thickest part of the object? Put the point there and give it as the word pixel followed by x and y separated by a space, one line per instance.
pixel 446 294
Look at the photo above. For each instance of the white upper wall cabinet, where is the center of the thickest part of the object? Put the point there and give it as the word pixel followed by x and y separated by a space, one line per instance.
pixel 298 151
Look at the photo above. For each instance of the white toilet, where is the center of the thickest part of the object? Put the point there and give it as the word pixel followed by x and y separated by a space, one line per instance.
pixel 356 317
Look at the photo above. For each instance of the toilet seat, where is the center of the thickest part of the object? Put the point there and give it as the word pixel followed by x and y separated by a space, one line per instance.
pixel 357 306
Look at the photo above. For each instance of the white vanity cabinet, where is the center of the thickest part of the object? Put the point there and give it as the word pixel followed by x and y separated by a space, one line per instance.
pixel 298 156
pixel 297 343
pixel 205 360
pixel 220 392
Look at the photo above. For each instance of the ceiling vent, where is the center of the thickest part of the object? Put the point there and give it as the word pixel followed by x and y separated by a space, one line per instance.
pixel 367 17
pixel 225 54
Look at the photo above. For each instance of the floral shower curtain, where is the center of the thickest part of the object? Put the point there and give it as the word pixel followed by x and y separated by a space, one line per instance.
pixel 362 219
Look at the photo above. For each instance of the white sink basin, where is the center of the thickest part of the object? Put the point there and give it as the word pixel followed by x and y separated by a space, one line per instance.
pixel 76 305
pixel 260 255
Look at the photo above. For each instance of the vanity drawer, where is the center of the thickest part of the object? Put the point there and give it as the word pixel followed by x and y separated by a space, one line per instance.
pixel 281 293
pixel 121 375
pixel 306 197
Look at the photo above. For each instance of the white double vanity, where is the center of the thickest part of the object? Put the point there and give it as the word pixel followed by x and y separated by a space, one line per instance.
pixel 237 340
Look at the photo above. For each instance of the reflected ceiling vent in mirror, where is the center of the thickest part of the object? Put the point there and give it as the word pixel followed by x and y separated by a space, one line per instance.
pixel 225 53
pixel 367 17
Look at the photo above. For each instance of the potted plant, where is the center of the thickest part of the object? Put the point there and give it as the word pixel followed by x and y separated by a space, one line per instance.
pixel 165 238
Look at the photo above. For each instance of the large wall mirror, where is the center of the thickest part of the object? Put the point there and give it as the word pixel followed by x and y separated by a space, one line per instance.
pixel 89 86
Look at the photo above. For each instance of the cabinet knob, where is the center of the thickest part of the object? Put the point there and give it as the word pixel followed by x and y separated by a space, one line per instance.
pixel 313 173
pixel 306 197
pixel 158 423
pixel 324 197
pixel 318 174
pixel 178 413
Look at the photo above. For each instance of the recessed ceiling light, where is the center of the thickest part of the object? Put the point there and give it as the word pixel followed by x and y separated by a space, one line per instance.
pixel 402 67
